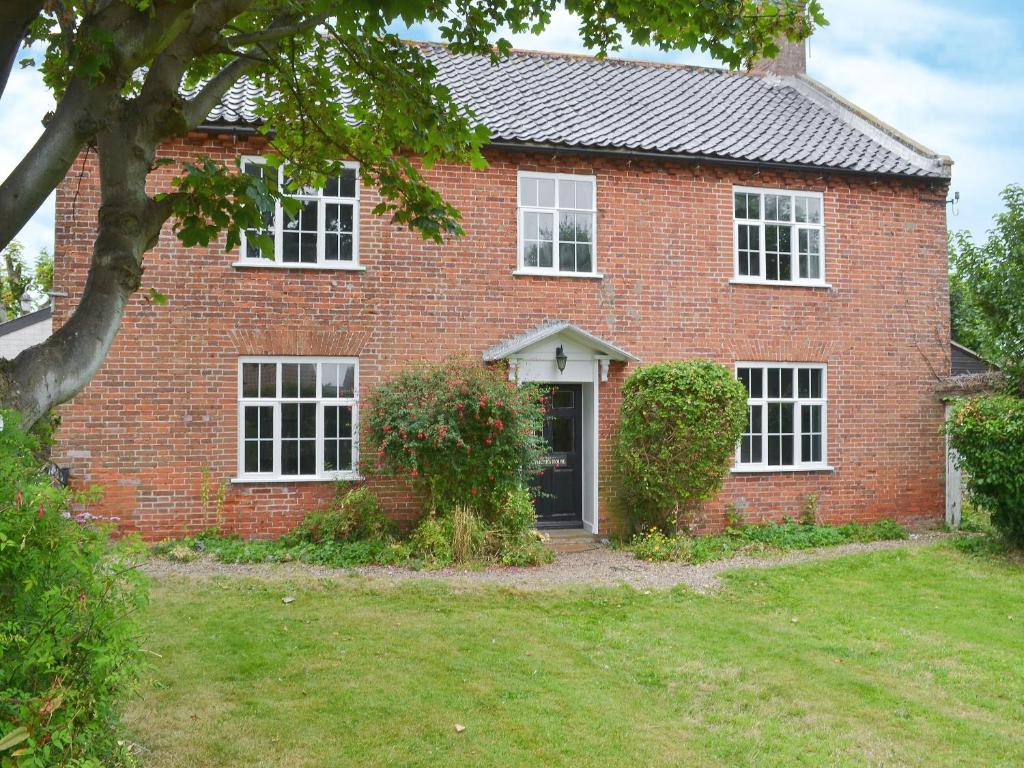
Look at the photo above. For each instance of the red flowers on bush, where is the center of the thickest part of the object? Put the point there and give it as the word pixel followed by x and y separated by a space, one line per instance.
pixel 459 431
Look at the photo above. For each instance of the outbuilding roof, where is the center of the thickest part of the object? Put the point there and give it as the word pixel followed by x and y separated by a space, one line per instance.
pixel 615 105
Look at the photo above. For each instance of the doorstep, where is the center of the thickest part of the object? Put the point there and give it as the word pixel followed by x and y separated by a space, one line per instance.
pixel 564 540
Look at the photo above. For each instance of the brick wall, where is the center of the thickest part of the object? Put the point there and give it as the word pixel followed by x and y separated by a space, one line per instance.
pixel 157 427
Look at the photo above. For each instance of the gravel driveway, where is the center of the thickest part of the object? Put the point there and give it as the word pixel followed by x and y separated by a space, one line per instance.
pixel 601 567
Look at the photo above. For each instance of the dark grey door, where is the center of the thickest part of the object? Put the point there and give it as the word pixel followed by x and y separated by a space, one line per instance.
pixel 560 501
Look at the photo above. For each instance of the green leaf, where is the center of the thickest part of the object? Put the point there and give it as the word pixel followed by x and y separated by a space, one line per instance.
pixel 157 298
pixel 14 738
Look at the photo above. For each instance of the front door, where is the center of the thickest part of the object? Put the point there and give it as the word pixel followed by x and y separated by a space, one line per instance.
pixel 560 501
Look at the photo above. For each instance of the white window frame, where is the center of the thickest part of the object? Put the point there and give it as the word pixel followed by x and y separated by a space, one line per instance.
pixel 799 465
pixel 275 402
pixel 321 263
pixel 761 279
pixel 554 270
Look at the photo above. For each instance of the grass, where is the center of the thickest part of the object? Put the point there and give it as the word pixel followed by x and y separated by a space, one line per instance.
pixel 904 657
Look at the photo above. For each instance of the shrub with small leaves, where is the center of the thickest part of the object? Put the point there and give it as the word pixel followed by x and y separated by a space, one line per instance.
pixel 460 431
pixel 988 436
pixel 69 643
pixel 353 515
pixel 680 425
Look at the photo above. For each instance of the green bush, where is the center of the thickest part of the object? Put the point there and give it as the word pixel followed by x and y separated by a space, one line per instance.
pixel 654 545
pixel 353 515
pixel 460 537
pixel 680 425
pixel 988 436
pixel 69 644
pixel 515 540
pixel 460 431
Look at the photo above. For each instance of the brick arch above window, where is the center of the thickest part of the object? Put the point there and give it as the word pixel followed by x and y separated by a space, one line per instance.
pixel 807 350
pixel 301 342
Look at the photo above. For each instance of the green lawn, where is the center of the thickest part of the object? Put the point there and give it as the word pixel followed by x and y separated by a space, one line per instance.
pixel 889 659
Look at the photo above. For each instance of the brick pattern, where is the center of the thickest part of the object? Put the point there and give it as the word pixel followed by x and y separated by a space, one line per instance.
pixel 157 428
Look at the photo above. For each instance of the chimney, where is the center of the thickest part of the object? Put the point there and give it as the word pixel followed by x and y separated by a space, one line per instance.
pixel 792 60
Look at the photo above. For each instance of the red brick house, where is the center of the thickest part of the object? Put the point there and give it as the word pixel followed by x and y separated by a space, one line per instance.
pixel 757 220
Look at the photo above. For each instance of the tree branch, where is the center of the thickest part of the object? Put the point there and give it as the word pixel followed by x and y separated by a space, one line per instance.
pixel 15 17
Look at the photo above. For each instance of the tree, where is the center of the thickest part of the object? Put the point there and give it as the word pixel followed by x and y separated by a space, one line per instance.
pixel 19 281
pixel 987 286
pixel 129 75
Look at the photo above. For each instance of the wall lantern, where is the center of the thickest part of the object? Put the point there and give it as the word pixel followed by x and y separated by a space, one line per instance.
pixel 560 359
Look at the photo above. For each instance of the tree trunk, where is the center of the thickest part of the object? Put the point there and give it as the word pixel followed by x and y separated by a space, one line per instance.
pixel 129 223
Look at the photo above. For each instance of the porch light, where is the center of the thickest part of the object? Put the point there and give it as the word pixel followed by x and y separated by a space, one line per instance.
pixel 560 358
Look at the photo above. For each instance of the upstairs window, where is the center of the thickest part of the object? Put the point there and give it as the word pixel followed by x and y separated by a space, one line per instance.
pixel 786 417
pixel 298 418
pixel 779 236
pixel 557 224
pixel 323 232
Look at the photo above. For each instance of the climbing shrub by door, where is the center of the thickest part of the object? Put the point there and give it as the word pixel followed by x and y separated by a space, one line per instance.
pixel 460 431
pixel 680 424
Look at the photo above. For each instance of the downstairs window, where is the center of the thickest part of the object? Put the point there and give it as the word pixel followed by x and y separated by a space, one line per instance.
pixel 298 418
pixel 786 417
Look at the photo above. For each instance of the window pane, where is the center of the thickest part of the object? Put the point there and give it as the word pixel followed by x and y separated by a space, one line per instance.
pixel 338 380
pixel 298 380
pixel 809 247
pixel 561 434
pixel 584 260
pixel 528 191
pixel 584 228
pixel 259 380
pixel 749 242
pixel 544 255
pixel 584 195
pixel 546 193
pixel 778 208
pixel 808 210
pixel 530 251
pixel 751 378
pixel 566 194
pixel 343 185
pixel 250 379
pixel 567 257
pixel 562 398
pixel 778 252
pixel 804 382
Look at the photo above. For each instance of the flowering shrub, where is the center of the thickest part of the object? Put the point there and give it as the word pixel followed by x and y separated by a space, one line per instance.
pixel 69 648
pixel 460 431
pixel 680 425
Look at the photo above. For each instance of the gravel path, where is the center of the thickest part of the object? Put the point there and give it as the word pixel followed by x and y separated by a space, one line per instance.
pixel 601 567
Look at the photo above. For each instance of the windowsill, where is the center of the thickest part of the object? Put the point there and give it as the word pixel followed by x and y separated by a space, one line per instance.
pixel 346 478
pixel 551 273
pixel 782 283
pixel 776 470
pixel 253 264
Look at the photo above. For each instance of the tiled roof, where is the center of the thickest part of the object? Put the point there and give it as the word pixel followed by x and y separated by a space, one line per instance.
pixel 638 107
pixel 39 316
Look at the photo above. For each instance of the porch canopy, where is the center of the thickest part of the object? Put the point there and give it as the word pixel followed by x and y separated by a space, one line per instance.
pixel 531 355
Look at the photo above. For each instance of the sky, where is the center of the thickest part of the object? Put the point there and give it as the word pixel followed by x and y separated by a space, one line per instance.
pixel 947 73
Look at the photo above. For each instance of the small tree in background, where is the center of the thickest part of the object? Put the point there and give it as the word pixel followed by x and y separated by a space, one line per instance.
pixel 680 425
pixel 19 280
pixel 987 286
pixel 460 431
pixel 988 435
